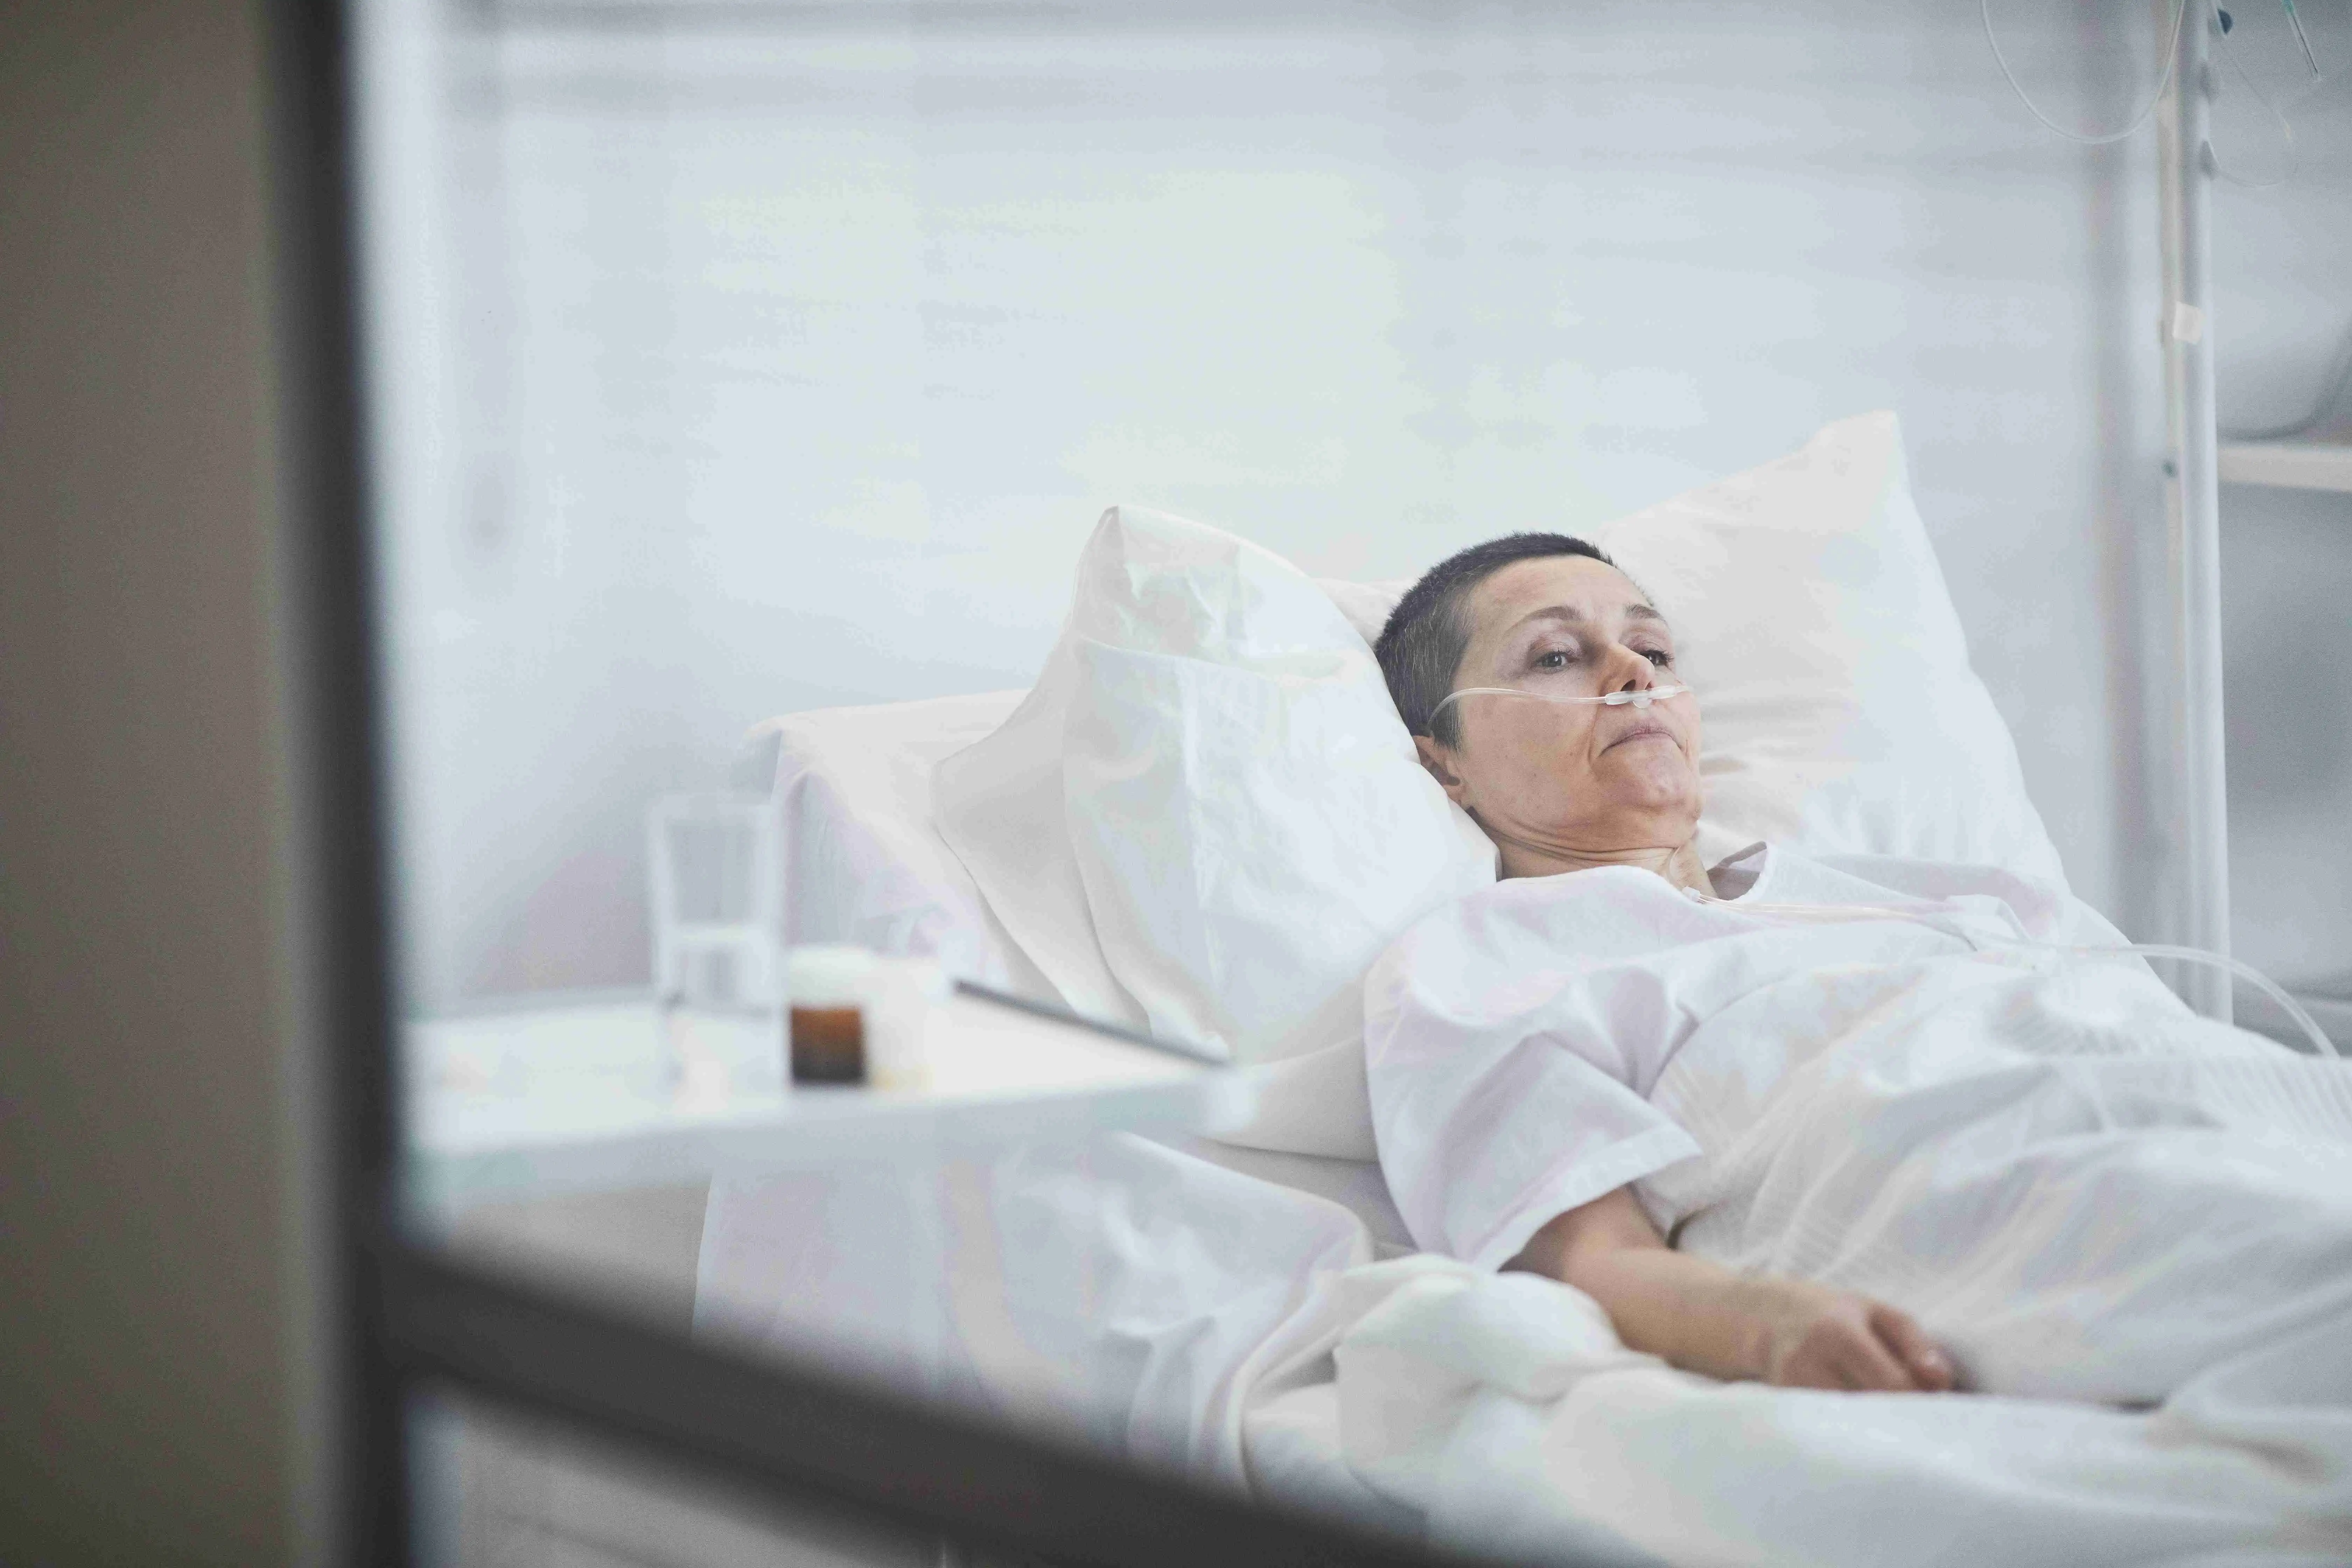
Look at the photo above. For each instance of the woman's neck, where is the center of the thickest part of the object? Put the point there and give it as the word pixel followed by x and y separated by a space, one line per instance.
pixel 1679 865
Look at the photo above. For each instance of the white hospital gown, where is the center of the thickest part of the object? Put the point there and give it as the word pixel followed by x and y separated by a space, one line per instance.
pixel 2080 1187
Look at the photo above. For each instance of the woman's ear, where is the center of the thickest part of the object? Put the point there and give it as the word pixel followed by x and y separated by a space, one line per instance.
pixel 1439 761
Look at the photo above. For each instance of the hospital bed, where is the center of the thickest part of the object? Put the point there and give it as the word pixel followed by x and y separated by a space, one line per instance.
pixel 1358 1375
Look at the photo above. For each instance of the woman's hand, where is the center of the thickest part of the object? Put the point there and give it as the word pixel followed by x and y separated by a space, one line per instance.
pixel 1812 1337
pixel 1702 1317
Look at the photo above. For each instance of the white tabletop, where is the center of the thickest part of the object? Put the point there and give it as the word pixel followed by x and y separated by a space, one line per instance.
pixel 588 1095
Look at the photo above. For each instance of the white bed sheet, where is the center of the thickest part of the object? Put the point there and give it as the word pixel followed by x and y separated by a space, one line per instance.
pixel 1115 1291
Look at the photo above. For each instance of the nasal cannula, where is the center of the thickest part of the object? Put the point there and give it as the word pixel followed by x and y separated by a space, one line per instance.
pixel 1832 913
pixel 1641 699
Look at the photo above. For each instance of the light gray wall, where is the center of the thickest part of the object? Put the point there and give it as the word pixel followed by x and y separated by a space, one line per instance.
pixel 782 364
pixel 147 1291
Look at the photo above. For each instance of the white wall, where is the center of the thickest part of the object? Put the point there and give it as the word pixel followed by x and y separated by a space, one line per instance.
pixel 757 369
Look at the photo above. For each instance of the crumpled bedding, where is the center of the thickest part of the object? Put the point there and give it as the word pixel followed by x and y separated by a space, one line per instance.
pixel 2132 1228
pixel 1502 1413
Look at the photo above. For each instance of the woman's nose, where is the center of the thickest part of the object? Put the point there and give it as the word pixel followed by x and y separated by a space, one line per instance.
pixel 1628 671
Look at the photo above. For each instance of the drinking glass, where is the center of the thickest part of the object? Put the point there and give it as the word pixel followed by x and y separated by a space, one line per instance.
pixel 715 891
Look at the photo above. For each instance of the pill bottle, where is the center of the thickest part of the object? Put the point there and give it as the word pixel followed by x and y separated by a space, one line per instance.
pixel 827 989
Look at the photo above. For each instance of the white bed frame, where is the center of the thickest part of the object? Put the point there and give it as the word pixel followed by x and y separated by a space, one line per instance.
pixel 2193 504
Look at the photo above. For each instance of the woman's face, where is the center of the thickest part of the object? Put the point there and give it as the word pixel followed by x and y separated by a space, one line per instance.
pixel 1586 779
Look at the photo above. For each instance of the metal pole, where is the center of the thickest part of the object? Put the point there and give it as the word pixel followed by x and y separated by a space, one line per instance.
pixel 2194 497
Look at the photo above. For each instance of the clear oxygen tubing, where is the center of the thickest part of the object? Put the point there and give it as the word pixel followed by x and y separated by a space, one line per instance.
pixel 1641 699
pixel 1831 914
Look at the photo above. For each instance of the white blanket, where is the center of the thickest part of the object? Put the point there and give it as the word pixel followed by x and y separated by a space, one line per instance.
pixel 1502 1412
pixel 2083 1191
pixel 1117 1291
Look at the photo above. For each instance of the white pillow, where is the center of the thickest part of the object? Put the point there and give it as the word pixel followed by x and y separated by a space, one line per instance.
pixel 1241 826
pixel 1839 710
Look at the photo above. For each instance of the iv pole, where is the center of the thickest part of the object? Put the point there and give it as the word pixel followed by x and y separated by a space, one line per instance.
pixel 2193 500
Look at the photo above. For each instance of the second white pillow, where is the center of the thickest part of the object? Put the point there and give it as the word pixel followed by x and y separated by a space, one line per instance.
pixel 1248 818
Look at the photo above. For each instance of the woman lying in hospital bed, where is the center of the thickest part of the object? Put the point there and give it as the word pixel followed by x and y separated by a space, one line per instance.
pixel 1842 1122
pixel 1206 819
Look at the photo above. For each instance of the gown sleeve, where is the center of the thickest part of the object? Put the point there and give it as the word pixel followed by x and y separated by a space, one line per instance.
pixel 1508 1082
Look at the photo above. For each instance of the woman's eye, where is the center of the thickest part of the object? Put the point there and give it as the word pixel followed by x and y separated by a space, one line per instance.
pixel 1552 660
pixel 1659 656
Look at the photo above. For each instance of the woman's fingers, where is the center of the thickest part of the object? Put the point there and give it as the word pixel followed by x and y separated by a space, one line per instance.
pixel 1869 1364
pixel 1835 1349
pixel 1852 1343
pixel 1929 1367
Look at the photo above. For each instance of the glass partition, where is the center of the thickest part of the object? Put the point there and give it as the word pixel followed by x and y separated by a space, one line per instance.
pixel 744 383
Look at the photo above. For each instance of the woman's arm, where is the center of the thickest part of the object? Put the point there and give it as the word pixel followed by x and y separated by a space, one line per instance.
pixel 1701 1316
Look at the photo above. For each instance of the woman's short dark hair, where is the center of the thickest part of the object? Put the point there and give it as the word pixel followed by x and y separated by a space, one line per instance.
pixel 1421 646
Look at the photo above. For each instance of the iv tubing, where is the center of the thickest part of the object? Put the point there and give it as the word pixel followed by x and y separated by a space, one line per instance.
pixel 2180 15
